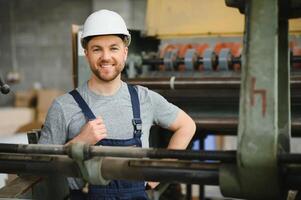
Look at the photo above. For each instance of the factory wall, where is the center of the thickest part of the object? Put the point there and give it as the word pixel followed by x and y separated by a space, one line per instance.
pixel 36 41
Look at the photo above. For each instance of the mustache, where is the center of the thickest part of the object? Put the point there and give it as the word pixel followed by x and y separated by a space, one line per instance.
pixel 105 62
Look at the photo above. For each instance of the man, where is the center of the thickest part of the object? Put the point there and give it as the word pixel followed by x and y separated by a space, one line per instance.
pixel 124 113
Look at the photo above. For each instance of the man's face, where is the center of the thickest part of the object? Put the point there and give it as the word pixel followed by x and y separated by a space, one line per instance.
pixel 106 55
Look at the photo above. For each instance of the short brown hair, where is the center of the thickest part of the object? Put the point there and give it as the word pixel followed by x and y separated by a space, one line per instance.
pixel 86 40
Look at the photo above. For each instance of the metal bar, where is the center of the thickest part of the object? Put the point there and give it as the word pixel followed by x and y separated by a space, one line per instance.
pixel 198 83
pixel 114 168
pixel 229 125
pixel 130 152
pixel 38 164
pixel 224 156
pixel 124 169
pixel 179 61
pixel 175 164
pixel 188 83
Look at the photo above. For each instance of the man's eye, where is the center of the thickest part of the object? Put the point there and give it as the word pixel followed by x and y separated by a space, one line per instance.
pixel 95 50
pixel 114 49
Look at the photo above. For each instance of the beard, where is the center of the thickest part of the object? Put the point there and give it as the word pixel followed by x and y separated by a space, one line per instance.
pixel 106 75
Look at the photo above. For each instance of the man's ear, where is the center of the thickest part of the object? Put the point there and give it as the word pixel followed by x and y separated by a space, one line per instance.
pixel 126 49
pixel 86 52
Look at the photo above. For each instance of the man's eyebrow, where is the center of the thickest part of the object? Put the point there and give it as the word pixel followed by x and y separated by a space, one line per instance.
pixel 115 44
pixel 95 45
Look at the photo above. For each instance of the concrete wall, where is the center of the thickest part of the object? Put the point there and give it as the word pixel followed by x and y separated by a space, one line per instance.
pixel 36 41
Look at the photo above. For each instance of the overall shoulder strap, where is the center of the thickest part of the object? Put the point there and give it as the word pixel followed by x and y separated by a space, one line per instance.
pixel 137 122
pixel 83 105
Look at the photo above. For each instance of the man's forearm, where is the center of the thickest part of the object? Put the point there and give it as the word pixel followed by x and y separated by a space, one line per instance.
pixel 182 137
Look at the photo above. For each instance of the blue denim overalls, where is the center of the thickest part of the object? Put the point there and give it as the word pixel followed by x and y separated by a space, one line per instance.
pixel 116 189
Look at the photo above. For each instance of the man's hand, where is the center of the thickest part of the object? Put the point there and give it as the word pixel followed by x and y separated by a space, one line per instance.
pixel 92 132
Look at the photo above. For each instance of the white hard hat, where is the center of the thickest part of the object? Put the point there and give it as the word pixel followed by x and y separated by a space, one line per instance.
pixel 105 22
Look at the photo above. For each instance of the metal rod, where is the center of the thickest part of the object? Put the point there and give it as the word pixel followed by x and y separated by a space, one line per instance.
pixel 228 125
pixel 223 156
pixel 198 83
pixel 188 83
pixel 38 164
pixel 129 152
pixel 199 60
pixel 114 168
pixel 126 169
pixel 174 164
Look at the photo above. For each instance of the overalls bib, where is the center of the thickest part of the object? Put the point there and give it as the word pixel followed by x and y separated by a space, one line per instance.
pixel 116 189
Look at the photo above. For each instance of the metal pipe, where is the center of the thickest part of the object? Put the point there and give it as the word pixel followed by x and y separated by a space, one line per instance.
pixel 199 60
pixel 138 169
pixel 114 168
pixel 129 152
pixel 223 156
pixel 121 168
pixel 228 126
pixel 187 83
pixel 197 83
pixel 38 164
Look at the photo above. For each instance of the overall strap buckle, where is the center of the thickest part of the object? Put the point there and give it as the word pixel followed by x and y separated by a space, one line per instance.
pixel 137 123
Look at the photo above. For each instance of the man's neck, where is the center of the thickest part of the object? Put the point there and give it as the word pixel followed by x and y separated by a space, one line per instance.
pixel 104 88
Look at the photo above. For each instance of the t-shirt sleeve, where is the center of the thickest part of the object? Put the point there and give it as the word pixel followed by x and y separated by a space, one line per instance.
pixel 54 129
pixel 165 113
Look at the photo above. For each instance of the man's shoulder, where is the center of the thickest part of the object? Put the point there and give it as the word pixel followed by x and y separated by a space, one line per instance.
pixel 142 91
pixel 65 98
pixel 146 94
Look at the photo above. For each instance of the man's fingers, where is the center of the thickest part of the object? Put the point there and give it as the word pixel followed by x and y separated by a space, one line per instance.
pixel 101 136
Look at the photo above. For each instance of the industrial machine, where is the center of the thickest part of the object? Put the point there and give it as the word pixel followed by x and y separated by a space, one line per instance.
pixel 250 90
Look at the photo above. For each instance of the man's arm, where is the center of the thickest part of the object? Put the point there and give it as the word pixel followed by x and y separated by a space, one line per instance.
pixel 54 128
pixel 184 128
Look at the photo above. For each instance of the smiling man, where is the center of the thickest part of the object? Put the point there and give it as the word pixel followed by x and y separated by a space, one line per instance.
pixel 107 111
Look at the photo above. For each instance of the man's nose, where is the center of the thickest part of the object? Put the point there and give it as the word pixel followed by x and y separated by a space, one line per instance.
pixel 106 55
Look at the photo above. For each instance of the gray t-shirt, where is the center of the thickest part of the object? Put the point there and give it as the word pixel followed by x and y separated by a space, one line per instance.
pixel 65 118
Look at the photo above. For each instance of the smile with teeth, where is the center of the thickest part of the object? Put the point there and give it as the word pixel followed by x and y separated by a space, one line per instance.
pixel 106 65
